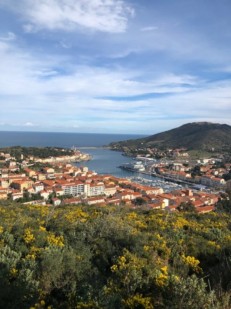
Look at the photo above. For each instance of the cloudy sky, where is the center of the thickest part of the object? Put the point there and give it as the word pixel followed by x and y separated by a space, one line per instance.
pixel 114 66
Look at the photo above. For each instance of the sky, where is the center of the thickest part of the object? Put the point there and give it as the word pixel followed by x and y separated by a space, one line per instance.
pixel 114 66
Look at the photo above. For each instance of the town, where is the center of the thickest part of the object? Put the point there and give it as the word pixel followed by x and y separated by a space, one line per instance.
pixel 209 172
pixel 57 181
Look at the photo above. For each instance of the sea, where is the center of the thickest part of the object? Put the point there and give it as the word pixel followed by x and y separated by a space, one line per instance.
pixel 56 139
pixel 104 161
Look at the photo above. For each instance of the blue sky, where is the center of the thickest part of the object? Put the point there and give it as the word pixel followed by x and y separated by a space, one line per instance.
pixel 114 66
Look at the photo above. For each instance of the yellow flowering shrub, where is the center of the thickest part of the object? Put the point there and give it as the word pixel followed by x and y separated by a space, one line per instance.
pixel 146 248
pixel 121 263
pixel 180 222
pixel 54 240
pixel 77 214
pixel 162 277
pixel 33 253
pixel 214 245
pixel 192 263
pixel 88 305
pixel 119 258
pixel 41 305
pixel 159 244
pixel 134 219
pixel 28 236
pixel 131 216
pixel 13 272
pixel 138 301
pixel 42 229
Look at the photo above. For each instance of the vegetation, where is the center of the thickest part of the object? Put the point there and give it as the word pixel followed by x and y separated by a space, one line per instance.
pixel 186 206
pixel 227 176
pixel 43 152
pixel 112 257
pixel 196 171
pixel 203 136
pixel 224 203
pixel 199 154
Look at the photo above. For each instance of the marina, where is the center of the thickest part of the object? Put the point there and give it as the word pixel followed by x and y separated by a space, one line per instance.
pixel 148 176
pixel 156 182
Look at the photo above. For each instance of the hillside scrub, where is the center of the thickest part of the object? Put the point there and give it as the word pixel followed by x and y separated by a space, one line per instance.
pixel 113 257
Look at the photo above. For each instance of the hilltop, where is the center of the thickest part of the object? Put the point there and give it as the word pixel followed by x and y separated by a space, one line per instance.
pixel 196 135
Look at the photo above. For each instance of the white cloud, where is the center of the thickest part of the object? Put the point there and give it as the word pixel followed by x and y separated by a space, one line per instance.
pixel 23 74
pixel 28 124
pixel 99 15
pixel 32 88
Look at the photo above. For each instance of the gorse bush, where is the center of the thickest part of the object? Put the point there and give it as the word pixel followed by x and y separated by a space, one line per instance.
pixel 113 257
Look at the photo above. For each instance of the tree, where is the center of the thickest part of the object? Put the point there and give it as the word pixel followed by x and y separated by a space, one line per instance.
pixel 224 203
pixel 139 201
pixel 186 206
pixel 196 171
pixel 227 176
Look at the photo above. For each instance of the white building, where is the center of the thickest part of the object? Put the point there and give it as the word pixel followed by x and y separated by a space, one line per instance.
pixel 95 189
pixel 74 189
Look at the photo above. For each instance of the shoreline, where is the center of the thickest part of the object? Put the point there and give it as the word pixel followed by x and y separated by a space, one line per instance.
pixel 93 147
pixel 167 179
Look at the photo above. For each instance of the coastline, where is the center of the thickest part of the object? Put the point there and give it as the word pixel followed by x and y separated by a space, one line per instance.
pixel 93 147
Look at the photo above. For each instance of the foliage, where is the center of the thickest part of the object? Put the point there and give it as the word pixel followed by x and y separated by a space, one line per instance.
pixel 187 206
pixel 224 203
pixel 42 152
pixel 113 257
pixel 227 176
pixel 203 136
pixel 139 201
pixel 196 171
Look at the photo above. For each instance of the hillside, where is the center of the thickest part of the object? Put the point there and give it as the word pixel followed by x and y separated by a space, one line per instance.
pixel 113 257
pixel 197 135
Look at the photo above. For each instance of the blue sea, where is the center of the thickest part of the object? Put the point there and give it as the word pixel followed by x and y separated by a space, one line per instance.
pixel 104 161
pixel 66 140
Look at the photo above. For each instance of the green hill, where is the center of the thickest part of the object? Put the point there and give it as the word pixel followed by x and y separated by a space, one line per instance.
pixel 197 135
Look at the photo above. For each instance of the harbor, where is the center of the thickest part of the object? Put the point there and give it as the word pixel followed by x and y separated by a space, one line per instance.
pixel 146 168
pixel 156 182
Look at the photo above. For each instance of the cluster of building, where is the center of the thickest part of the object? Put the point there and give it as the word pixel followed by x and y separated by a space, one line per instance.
pixel 62 183
pixel 208 173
